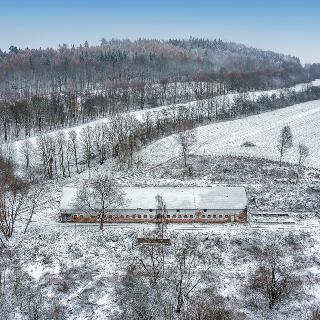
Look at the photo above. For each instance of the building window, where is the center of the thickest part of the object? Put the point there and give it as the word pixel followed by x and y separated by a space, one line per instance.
pixel 127 216
pixel 185 216
pixel 145 216
pixel 75 216
pixel 174 216
pixel 191 216
pixel 204 210
pixel 209 216
pixel 150 210
pixel 121 216
pixel 133 216
pixel 168 216
pixel 139 216
pixel 110 216
pixel 203 216
pixel 179 216
pixel 220 215
pixel 214 216
pixel 81 215
pixel 178 210
pixel 226 215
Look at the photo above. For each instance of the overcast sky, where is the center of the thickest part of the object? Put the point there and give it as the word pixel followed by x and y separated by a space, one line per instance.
pixel 287 26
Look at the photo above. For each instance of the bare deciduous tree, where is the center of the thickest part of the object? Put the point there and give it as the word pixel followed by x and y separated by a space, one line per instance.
pixel 274 278
pixel 186 139
pixel 161 216
pixel 37 200
pixel 87 146
pixel 285 141
pixel 186 272
pixel 27 150
pixel 61 150
pixel 138 299
pixel 74 147
pixel 101 142
pixel 47 152
pixel 8 153
pixel 303 154
pixel 13 197
pixel 99 194
pixel 151 259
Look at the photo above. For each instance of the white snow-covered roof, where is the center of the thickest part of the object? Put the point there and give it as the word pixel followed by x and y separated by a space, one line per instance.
pixel 216 197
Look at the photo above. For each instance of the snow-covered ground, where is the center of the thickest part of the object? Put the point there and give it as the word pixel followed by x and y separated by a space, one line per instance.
pixel 263 130
pixel 79 268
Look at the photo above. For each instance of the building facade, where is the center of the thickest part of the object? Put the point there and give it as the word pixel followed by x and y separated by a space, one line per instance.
pixel 217 204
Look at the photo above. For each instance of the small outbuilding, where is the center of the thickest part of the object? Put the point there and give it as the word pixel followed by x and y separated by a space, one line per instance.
pixel 216 204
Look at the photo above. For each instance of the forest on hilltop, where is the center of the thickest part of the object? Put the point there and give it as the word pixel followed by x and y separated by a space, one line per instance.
pixel 123 63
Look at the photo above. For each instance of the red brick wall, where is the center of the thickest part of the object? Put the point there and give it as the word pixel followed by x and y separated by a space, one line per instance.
pixel 240 218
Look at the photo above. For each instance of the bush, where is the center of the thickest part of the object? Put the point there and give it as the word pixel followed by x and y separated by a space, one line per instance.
pixel 248 144
pixel 315 314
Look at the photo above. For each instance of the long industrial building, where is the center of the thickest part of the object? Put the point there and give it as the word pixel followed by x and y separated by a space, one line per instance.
pixel 216 204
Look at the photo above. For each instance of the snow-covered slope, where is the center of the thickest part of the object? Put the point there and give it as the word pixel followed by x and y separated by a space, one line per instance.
pixel 226 138
pixel 139 114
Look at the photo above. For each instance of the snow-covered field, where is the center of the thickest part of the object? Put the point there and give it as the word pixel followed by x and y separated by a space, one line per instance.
pixel 263 130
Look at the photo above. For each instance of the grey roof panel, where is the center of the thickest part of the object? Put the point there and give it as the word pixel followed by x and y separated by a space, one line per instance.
pixel 216 197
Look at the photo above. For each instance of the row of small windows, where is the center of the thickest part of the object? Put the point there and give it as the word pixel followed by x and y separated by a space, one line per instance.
pixel 174 216
pixel 178 210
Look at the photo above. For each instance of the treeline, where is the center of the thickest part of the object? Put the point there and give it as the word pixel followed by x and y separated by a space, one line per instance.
pixel 43 71
pixel 218 46
pixel 63 155
pixel 245 67
pixel 36 115
pixel 313 70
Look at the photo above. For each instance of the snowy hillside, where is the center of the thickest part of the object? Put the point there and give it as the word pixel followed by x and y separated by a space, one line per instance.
pixel 227 138
pixel 160 111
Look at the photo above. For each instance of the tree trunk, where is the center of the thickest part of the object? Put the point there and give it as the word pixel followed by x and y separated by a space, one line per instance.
pixel 281 155
pixel 101 223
